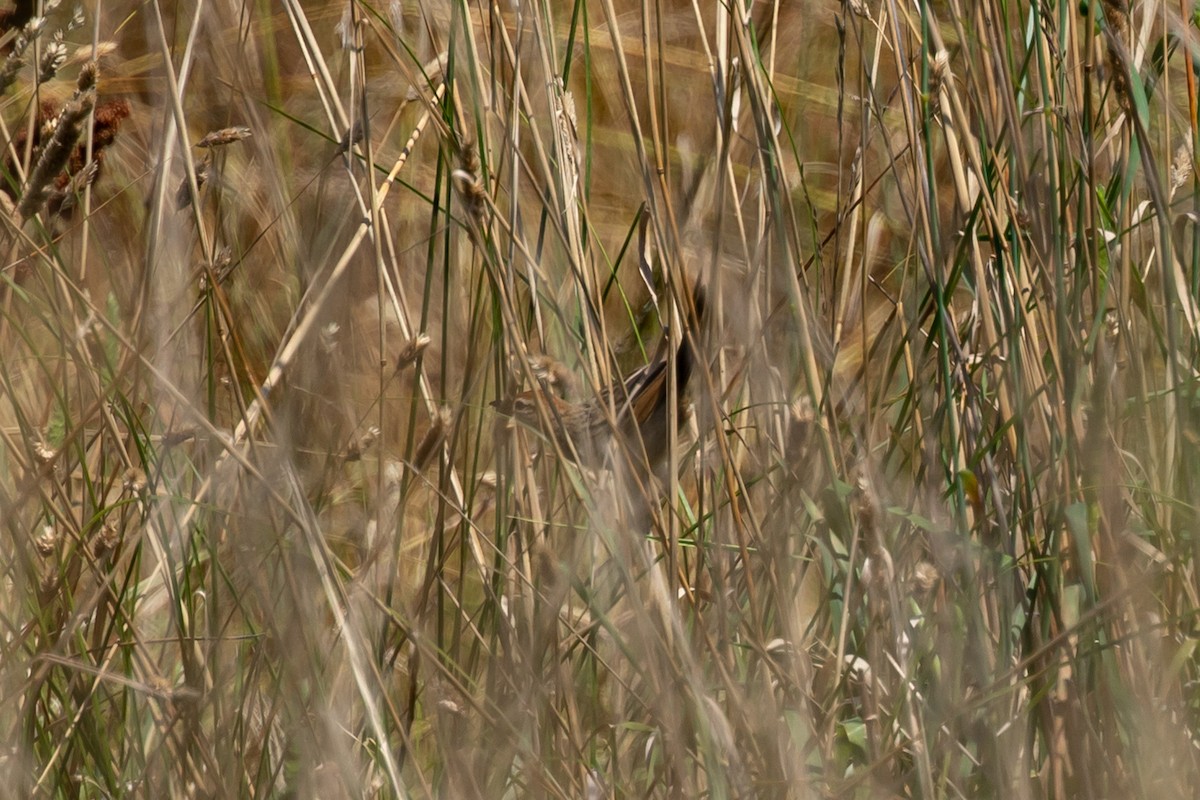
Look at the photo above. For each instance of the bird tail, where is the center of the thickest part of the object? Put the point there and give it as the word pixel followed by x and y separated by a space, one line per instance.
pixel 685 357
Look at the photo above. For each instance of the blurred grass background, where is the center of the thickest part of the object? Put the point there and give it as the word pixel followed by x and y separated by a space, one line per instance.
pixel 930 530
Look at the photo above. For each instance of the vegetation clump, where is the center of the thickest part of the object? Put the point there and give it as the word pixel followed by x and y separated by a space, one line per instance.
pixel 599 399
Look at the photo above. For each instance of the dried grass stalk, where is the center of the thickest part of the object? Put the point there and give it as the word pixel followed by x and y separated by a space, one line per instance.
pixel 57 153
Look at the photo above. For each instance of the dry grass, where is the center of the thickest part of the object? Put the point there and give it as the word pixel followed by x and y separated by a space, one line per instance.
pixel 930 531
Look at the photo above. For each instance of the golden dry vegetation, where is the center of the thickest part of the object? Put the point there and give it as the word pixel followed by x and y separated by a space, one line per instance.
pixel 927 527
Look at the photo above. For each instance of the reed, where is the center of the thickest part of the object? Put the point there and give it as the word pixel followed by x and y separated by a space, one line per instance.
pixel 919 518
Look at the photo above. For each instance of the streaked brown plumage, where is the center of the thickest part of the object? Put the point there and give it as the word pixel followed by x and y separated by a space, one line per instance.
pixel 641 403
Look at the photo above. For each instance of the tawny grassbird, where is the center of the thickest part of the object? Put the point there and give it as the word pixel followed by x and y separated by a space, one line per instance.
pixel 640 404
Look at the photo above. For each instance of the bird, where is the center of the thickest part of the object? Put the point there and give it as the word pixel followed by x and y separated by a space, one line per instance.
pixel 641 404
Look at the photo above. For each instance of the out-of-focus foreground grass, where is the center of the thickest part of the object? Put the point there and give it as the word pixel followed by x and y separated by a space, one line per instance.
pixel 929 530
